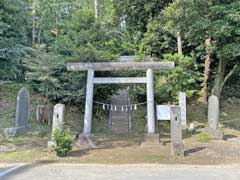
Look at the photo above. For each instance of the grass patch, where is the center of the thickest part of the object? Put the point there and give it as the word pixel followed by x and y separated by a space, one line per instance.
pixel 152 158
pixel 23 156
pixel 203 137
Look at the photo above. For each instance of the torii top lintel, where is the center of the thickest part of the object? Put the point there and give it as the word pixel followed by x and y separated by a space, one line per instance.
pixel 112 66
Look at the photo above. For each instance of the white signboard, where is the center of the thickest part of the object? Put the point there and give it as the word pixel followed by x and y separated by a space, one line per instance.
pixel 163 112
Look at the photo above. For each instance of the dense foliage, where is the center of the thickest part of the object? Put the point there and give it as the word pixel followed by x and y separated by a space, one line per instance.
pixel 37 37
pixel 14 38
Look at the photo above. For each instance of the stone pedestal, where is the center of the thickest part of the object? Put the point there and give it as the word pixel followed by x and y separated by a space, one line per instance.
pixel 150 140
pixel 14 131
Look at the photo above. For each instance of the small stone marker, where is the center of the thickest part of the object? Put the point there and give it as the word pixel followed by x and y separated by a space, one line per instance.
pixel 213 117
pixel 58 117
pixel 176 131
pixel 183 105
pixel 58 120
pixel 22 110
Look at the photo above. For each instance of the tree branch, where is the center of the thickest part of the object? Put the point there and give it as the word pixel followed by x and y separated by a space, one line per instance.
pixel 234 69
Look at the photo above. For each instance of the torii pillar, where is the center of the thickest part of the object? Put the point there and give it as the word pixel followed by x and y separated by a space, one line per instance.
pixel 150 102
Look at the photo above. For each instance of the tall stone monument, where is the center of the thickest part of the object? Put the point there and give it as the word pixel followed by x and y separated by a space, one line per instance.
pixel 183 105
pixel 22 113
pixel 22 109
pixel 176 131
pixel 213 117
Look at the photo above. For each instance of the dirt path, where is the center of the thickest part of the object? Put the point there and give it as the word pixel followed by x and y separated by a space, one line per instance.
pixel 122 172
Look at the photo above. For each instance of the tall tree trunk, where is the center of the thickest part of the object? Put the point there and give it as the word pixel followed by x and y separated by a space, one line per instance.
pixel 179 43
pixel 96 7
pixel 33 22
pixel 39 37
pixel 207 69
pixel 217 88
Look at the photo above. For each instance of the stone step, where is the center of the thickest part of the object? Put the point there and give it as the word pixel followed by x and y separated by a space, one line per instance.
pixel 119 113
pixel 120 118
pixel 119 125
pixel 119 121
pixel 119 130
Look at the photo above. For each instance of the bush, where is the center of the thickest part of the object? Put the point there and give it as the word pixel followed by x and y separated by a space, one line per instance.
pixel 64 142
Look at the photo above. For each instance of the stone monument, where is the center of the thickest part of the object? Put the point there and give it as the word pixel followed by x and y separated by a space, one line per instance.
pixel 213 117
pixel 22 114
pixel 183 105
pixel 176 131
pixel 58 121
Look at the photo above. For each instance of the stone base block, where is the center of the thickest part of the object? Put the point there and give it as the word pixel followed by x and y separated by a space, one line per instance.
pixel 150 140
pixel 177 149
pixel 51 144
pixel 86 140
pixel 215 133
pixel 14 131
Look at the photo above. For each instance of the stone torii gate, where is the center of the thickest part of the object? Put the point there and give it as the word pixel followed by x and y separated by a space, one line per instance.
pixel 115 66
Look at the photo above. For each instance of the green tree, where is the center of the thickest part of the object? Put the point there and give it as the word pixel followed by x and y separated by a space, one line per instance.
pixel 218 20
pixel 14 39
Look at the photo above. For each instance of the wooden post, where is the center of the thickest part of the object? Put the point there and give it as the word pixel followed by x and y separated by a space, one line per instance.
pixel 150 102
pixel 176 131
pixel 89 103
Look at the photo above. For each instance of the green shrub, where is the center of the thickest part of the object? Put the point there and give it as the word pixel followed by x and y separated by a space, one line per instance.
pixel 64 142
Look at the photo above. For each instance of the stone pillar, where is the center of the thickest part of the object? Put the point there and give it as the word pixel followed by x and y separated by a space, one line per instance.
pixel 213 117
pixel 89 103
pixel 57 122
pixel 150 102
pixel 176 131
pixel 183 105
pixel 58 117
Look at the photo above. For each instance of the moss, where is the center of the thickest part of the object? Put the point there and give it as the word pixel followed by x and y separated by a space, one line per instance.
pixel 203 137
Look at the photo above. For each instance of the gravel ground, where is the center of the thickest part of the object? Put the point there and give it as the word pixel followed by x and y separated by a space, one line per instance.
pixel 124 172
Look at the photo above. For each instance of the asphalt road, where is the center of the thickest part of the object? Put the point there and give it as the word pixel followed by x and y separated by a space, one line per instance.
pixel 124 172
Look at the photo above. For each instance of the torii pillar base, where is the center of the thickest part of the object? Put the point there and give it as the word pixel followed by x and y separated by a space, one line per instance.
pixel 150 140
pixel 86 140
